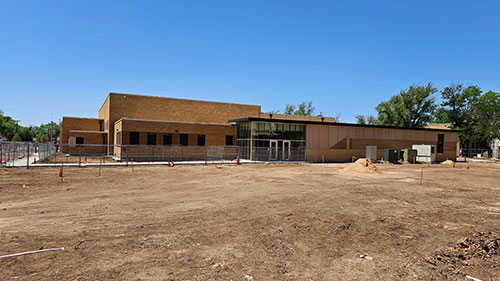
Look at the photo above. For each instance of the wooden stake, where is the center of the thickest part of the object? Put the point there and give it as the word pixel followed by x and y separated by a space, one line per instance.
pixel 421 175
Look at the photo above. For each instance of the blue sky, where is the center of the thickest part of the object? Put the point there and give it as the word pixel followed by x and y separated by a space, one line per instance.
pixel 61 58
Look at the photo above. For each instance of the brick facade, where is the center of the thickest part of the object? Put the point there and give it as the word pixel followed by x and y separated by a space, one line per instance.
pixel 78 124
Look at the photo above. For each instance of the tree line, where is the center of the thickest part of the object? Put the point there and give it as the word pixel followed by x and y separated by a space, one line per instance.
pixel 10 130
pixel 466 108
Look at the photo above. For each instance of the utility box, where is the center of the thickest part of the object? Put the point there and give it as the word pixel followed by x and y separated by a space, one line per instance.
pixel 425 152
pixel 391 155
pixel 408 155
pixel 371 153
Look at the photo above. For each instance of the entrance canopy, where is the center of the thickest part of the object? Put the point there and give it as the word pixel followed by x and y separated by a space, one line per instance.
pixel 271 140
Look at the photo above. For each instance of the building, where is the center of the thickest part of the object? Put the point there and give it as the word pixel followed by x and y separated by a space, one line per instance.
pixel 322 141
pixel 136 124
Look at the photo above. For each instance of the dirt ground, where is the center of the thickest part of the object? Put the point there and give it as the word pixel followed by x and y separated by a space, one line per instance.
pixel 252 222
pixel 61 158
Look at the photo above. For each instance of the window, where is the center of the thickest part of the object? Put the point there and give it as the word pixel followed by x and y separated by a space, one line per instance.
pixel 201 140
pixel 440 144
pixel 79 140
pixel 229 140
pixel 151 138
pixel 167 139
pixel 184 139
pixel 134 138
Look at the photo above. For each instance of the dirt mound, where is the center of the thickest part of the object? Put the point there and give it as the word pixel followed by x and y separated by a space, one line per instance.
pixel 363 166
pixel 447 162
pixel 478 248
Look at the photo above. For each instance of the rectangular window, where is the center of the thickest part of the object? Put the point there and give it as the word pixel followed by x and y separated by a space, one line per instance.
pixel 167 139
pixel 201 140
pixel 229 140
pixel 151 138
pixel 184 139
pixel 79 140
pixel 134 138
pixel 440 144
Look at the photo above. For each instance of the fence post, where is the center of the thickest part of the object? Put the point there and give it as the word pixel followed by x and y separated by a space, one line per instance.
pixel 169 153
pixel 28 157
pixel 79 154
pixel 1 154
pixel 85 153
pixel 126 150
pixel 153 151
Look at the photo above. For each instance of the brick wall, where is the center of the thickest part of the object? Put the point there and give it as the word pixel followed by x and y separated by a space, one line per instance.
pixel 215 134
pixel 77 123
pixel 119 106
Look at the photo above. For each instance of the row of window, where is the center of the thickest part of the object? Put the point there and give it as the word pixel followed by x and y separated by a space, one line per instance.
pixel 167 139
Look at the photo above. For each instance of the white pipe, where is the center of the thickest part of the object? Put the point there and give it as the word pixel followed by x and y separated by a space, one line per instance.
pixel 31 252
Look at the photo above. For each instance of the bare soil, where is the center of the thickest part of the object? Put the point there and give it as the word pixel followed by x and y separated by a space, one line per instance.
pixel 61 158
pixel 252 222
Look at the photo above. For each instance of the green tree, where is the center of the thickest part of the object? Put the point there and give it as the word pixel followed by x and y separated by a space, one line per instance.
pixel 487 117
pixel 302 109
pixel 458 108
pixel 409 109
pixel 8 126
pixel 365 120
pixel 16 137
pixel 440 115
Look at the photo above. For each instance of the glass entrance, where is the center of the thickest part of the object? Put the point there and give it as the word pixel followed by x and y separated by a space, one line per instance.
pixel 273 150
pixel 286 151
pixel 271 141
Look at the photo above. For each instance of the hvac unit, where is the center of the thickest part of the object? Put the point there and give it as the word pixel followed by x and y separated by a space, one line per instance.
pixel 425 152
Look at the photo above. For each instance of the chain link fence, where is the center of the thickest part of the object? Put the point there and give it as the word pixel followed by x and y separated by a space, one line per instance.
pixel 23 154
pixel 476 153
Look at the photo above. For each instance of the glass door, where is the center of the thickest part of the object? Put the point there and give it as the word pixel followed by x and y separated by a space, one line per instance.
pixel 287 155
pixel 273 150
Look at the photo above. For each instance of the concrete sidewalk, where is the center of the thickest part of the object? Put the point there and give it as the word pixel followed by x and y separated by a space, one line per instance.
pixel 157 163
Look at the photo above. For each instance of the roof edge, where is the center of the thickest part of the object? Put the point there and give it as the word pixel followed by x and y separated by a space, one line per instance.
pixel 248 119
pixel 160 97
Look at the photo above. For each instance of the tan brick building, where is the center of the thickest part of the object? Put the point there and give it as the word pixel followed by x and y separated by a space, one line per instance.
pixel 135 126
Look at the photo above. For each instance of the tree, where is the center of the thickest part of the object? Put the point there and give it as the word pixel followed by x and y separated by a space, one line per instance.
pixel 365 120
pixel 409 109
pixel 10 129
pixel 303 109
pixel 487 117
pixel 440 116
pixel 16 137
pixel 8 126
pixel 458 108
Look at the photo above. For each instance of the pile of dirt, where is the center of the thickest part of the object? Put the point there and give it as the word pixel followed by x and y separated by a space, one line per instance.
pixel 447 162
pixel 478 248
pixel 363 166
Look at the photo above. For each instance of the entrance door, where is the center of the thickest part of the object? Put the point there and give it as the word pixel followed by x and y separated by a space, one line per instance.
pixel 273 150
pixel 286 151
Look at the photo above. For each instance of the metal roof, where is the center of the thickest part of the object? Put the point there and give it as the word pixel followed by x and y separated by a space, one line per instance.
pixel 249 119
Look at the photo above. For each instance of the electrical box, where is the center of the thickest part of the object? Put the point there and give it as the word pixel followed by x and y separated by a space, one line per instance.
pixel 391 155
pixel 371 153
pixel 408 155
